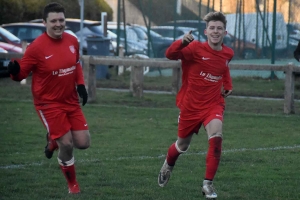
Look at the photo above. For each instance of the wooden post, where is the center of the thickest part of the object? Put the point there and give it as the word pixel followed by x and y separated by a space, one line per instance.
pixel 136 81
pixel 289 86
pixel 86 68
pixel 24 46
pixel 176 80
pixel 92 82
pixel 121 68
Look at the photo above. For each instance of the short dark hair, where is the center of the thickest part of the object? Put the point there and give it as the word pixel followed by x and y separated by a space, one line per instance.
pixel 52 7
pixel 215 16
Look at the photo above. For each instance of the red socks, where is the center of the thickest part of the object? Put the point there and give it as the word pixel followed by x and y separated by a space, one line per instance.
pixel 213 157
pixel 172 155
pixel 69 173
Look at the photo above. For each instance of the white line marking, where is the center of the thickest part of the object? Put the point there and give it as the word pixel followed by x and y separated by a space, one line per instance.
pixel 155 157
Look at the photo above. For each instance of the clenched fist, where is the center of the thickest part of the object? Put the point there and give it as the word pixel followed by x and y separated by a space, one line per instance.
pixel 187 38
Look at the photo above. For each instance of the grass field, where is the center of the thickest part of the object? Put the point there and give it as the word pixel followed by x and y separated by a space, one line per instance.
pixel 130 138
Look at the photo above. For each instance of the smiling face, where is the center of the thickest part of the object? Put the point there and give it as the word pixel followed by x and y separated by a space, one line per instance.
pixel 55 24
pixel 215 33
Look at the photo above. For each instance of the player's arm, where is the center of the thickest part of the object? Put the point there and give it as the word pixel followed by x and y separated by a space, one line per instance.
pixel 20 69
pixel 80 84
pixel 297 52
pixel 81 90
pixel 180 48
pixel 227 84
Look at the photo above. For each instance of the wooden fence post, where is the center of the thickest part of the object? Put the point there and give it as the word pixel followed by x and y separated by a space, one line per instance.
pixel 24 46
pixel 121 68
pixel 92 81
pixel 136 81
pixel 86 68
pixel 289 87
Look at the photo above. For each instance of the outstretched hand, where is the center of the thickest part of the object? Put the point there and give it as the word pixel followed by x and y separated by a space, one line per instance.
pixel 226 93
pixel 82 93
pixel 13 68
pixel 187 38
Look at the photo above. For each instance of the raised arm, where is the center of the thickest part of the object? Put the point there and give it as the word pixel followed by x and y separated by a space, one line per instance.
pixel 179 49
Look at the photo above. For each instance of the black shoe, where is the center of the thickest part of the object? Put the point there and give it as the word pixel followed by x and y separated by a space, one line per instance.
pixel 50 147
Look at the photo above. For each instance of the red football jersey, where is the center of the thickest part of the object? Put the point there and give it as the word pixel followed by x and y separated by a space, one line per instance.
pixel 55 68
pixel 204 72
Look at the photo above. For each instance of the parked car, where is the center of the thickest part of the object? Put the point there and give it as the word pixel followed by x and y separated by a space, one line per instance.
pixel 158 43
pixel 133 45
pixel 171 31
pixel 7 48
pixel 10 48
pixel 8 37
pixel 195 24
pixel 28 31
pixel 93 28
pixel 3 64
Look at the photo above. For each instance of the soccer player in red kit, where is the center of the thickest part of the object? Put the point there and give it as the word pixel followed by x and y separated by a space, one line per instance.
pixel 53 59
pixel 206 82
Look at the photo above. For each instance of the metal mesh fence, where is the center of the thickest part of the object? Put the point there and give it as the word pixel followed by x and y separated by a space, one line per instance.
pixel 259 31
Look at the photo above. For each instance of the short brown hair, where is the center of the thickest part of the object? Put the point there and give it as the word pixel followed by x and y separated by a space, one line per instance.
pixel 215 16
pixel 52 7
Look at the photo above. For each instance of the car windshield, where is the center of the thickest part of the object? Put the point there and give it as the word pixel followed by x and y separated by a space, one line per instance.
pixel 152 33
pixel 9 35
pixel 140 33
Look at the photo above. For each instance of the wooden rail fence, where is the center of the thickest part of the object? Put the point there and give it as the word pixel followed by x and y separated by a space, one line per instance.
pixel 137 77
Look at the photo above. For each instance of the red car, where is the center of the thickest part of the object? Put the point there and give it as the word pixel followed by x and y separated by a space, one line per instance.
pixel 10 48
pixel 8 37
pixel 7 48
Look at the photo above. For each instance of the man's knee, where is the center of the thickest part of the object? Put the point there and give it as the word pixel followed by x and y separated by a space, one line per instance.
pixel 81 139
pixel 84 145
pixel 182 147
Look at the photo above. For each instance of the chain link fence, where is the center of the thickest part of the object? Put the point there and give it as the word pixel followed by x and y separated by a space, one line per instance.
pixel 259 31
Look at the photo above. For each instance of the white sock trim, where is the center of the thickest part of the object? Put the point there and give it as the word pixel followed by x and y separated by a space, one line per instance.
pixel 179 150
pixel 216 135
pixel 67 163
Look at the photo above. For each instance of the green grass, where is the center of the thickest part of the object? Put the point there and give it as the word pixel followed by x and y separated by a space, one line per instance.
pixel 130 138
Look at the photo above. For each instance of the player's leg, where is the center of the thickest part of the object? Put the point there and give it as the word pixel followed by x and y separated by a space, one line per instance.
pixel 81 139
pixel 51 144
pixel 79 129
pixel 67 162
pixel 186 129
pixel 78 137
pixel 214 132
pixel 175 150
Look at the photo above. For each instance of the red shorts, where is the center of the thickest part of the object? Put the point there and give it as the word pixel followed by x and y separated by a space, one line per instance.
pixel 61 119
pixel 190 123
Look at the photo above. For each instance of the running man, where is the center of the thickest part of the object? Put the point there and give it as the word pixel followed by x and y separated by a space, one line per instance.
pixel 53 59
pixel 206 82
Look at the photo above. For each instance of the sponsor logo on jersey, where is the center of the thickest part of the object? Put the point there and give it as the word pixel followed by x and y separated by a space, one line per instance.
pixel 64 72
pixel 72 48
pixel 210 77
